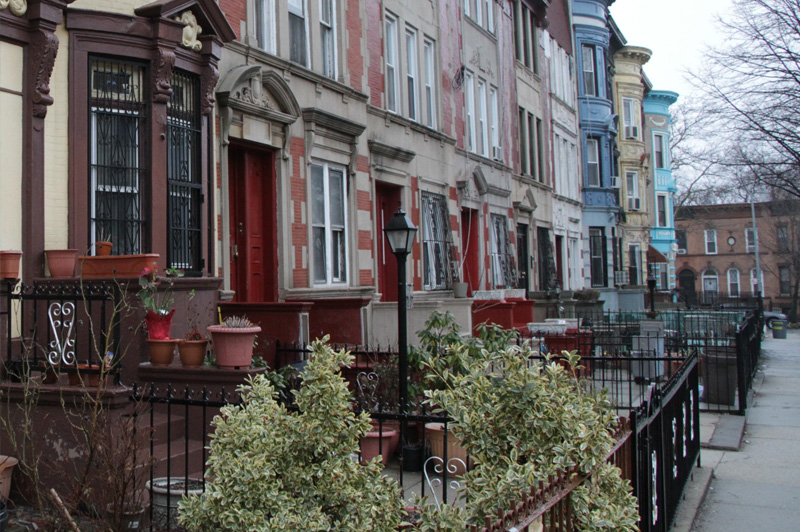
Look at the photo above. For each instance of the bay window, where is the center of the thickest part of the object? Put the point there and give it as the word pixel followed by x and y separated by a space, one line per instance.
pixel 592 162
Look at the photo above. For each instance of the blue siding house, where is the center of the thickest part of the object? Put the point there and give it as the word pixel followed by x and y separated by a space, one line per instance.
pixel 662 235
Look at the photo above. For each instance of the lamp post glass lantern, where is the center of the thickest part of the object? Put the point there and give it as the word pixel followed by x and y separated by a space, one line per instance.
pixel 400 232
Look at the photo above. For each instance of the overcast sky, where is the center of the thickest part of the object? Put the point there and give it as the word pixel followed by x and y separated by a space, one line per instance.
pixel 677 31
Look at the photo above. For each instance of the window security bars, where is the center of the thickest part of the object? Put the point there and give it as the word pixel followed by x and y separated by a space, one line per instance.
pixel 436 242
pixel 184 176
pixel 117 111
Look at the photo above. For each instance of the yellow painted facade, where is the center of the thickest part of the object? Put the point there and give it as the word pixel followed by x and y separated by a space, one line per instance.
pixel 11 80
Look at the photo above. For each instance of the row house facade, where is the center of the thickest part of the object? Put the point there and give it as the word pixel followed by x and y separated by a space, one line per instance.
pixel 262 146
pixel 661 189
pixel 717 246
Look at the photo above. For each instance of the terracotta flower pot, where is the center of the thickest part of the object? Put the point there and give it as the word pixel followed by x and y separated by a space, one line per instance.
pixel 376 443
pixel 103 248
pixel 233 346
pixel 9 264
pixel 162 352
pixel 61 262
pixel 159 325
pixel 192 352
pixel 435 434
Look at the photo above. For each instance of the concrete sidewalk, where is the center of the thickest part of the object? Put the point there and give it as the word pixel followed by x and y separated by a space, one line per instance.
pixel 756 487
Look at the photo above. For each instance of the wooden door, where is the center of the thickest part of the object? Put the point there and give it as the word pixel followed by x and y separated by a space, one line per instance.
pixel 387 199
pixel 253 224
pixel 470 248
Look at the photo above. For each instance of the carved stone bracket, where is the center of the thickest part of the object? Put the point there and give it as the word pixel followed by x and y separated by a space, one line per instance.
pixel 207 86
pixel 43 49
pixel 18 7
pixel 162 72
pixel 191 31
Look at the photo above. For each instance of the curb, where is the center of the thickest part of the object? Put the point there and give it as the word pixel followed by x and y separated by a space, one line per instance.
pixel 694 493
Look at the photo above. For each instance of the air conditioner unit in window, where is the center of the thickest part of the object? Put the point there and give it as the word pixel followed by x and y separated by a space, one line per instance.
pixel 614 181
pixel 631 132
pixel 681 252
pixel 497 153
pixel 634 204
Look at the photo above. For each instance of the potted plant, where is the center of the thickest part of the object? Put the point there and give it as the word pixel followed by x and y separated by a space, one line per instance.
pixel 9 264
pixel 192 349
pixel 61 262
pixel 233 341
pixel 167 494
pixel 103 245
pixel 156 296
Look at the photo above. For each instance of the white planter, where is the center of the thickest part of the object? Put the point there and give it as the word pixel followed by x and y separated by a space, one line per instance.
pixel 166 493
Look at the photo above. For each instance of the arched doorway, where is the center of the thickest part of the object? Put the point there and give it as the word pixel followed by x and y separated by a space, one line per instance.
pixel 686 282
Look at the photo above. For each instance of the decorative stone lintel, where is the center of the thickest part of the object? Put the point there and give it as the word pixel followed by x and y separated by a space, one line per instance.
pixel 392 152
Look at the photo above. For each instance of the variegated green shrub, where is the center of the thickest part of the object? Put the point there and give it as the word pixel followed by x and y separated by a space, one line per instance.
pixel 271 469
pixel 522 421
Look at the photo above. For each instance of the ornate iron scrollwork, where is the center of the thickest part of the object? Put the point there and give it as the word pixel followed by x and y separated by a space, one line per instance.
pixel 62 319
pixel 453 466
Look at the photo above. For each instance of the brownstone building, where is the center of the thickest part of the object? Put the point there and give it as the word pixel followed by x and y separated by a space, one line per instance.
pixel 717 253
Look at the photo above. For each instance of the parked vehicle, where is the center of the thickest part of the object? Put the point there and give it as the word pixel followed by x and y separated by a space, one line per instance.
pixel 771 317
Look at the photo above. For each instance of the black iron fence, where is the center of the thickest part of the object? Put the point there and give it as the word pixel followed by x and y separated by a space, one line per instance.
pixel 666 428
pixel 51 328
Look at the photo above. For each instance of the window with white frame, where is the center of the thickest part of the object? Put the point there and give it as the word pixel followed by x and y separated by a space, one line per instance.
pixel 468 7
pixel 483 125
pixel 750 239
pixel 711 241
pixel 501 265
pixel 630 118
pixel 632 190
pixel 560 73
pixel 598 256
pixel 481 12
pixel 298 36
pixel 265 24
pixel 525 37
pixel 661 150
pixel 328 217
pixel 522 136
pixel 489 6
pixel 785 281
pixel 494 126
pixel 391 58
pixel 733 283
pixel 592 162
pixel 539 150
pixel 782 236
pixel 710 282
pixel 588 56
pixel 469 88
pixel 662 219
pixel 634 264
pixel 327 23
pixel 412 89
pixel 429 65
pixel 435 242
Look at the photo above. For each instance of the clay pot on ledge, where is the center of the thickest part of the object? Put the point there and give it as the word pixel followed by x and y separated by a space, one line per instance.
pixel 192 353
pixel 162 351
pixel 233 346
pixel 103 248
pixel 9 264
pixel 61 262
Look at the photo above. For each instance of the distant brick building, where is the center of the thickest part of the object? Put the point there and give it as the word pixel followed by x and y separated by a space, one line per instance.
pixel 716 253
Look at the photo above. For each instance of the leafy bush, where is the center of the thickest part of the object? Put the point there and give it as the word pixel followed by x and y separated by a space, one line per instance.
pixel 271 469
pixel 522 421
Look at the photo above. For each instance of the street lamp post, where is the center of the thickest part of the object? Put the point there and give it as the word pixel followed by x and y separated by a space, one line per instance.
pixel 400 232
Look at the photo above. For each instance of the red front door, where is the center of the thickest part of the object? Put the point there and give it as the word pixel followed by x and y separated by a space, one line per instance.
pixel 253 218
pixel 387 198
